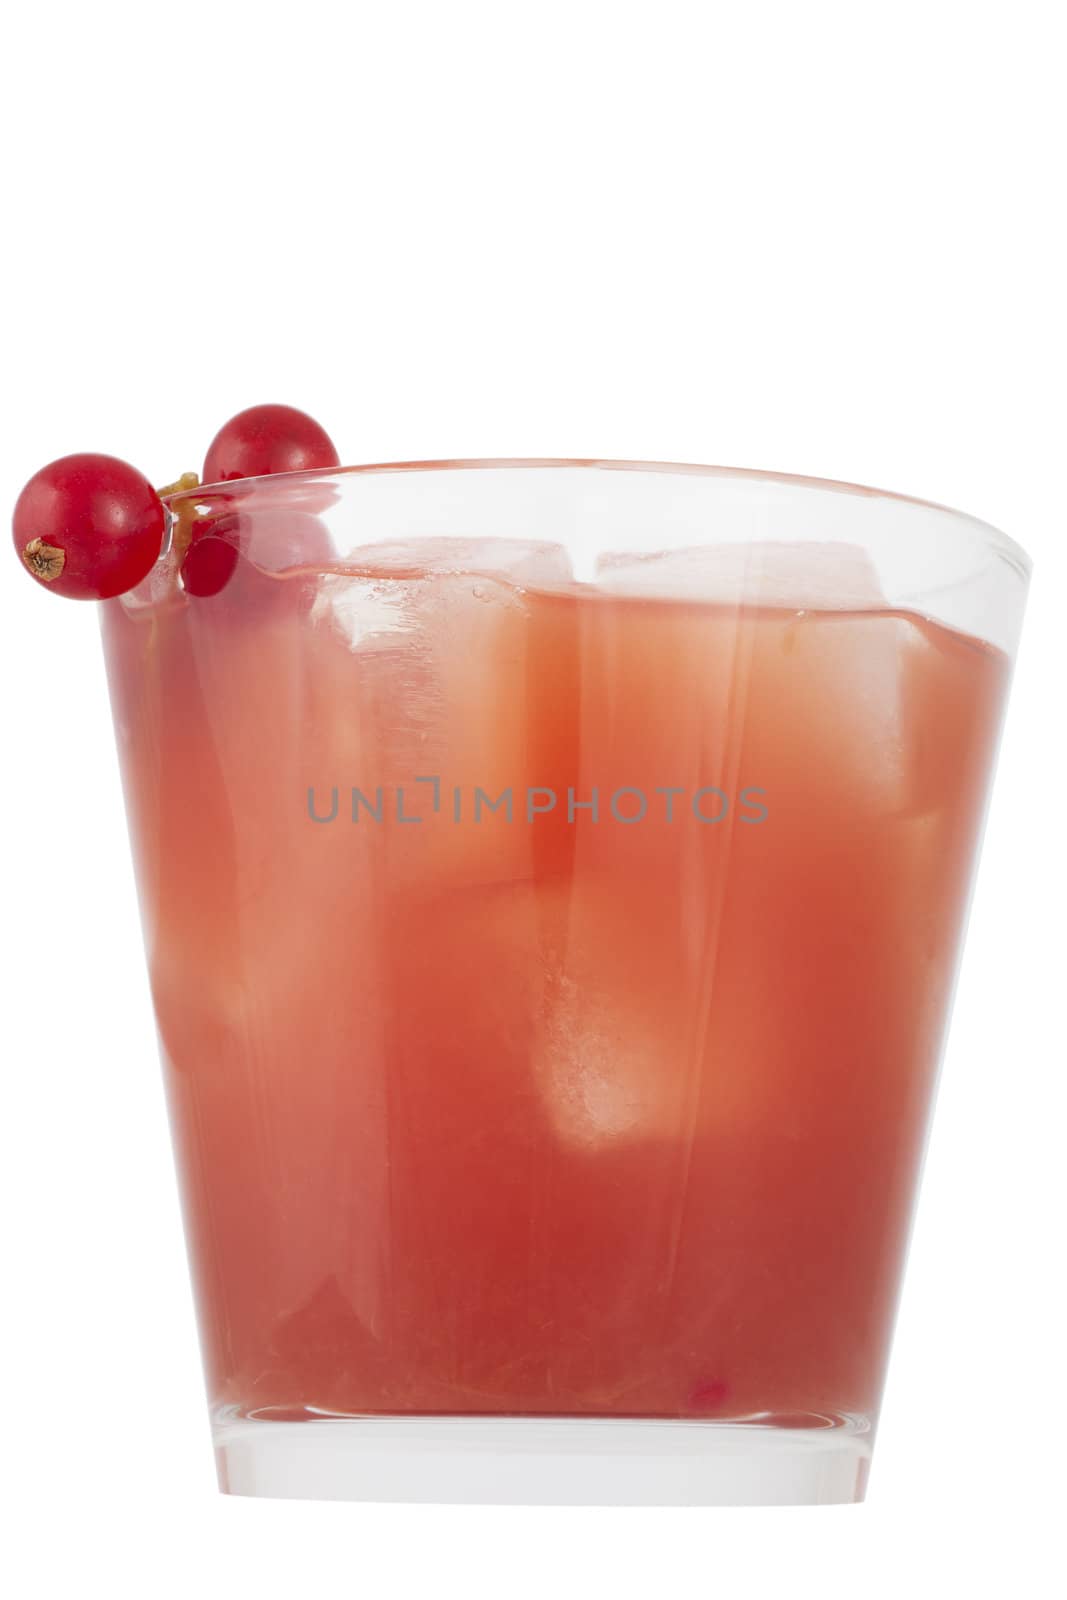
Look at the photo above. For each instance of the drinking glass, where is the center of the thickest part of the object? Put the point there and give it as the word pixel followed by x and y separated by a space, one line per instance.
pixel 553 876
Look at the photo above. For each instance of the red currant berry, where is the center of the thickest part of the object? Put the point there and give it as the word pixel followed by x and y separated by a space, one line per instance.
pixel 209 565
pixel 244 552
pixel 268 439
pixel 89 526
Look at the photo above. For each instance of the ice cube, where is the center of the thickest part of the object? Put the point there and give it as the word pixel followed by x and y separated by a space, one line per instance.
pixel 833 577
pixel 670 1018
pixel 661 714
pixel 600 1064
pixel 952 699
pixel 690 680
pixel 612 1053
pixel 452 693
pixel 798 982
pixel 522 562
pixel 822 722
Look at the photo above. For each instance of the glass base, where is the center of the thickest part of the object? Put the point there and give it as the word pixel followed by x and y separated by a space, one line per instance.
pixel 545 1460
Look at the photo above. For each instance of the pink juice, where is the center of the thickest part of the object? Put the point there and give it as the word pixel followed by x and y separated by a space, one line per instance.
pixel 550 978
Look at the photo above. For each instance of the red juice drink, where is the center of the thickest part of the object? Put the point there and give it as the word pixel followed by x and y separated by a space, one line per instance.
pixel 550 976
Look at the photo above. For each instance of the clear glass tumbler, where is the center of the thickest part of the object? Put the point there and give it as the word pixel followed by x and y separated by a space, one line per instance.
pixel 553 876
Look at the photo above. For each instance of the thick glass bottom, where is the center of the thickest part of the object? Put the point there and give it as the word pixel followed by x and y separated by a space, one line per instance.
pixel 546 1460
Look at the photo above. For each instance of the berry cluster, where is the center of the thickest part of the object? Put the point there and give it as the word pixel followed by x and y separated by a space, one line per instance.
pixel 91 527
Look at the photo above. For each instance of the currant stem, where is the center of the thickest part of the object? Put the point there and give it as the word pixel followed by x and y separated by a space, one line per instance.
pixel 188 480
pixel 180 522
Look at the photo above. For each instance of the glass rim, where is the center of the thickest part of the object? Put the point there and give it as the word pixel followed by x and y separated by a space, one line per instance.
pixel 990 536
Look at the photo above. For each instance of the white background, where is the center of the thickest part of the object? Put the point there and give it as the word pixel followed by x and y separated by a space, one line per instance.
pixel 816 237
